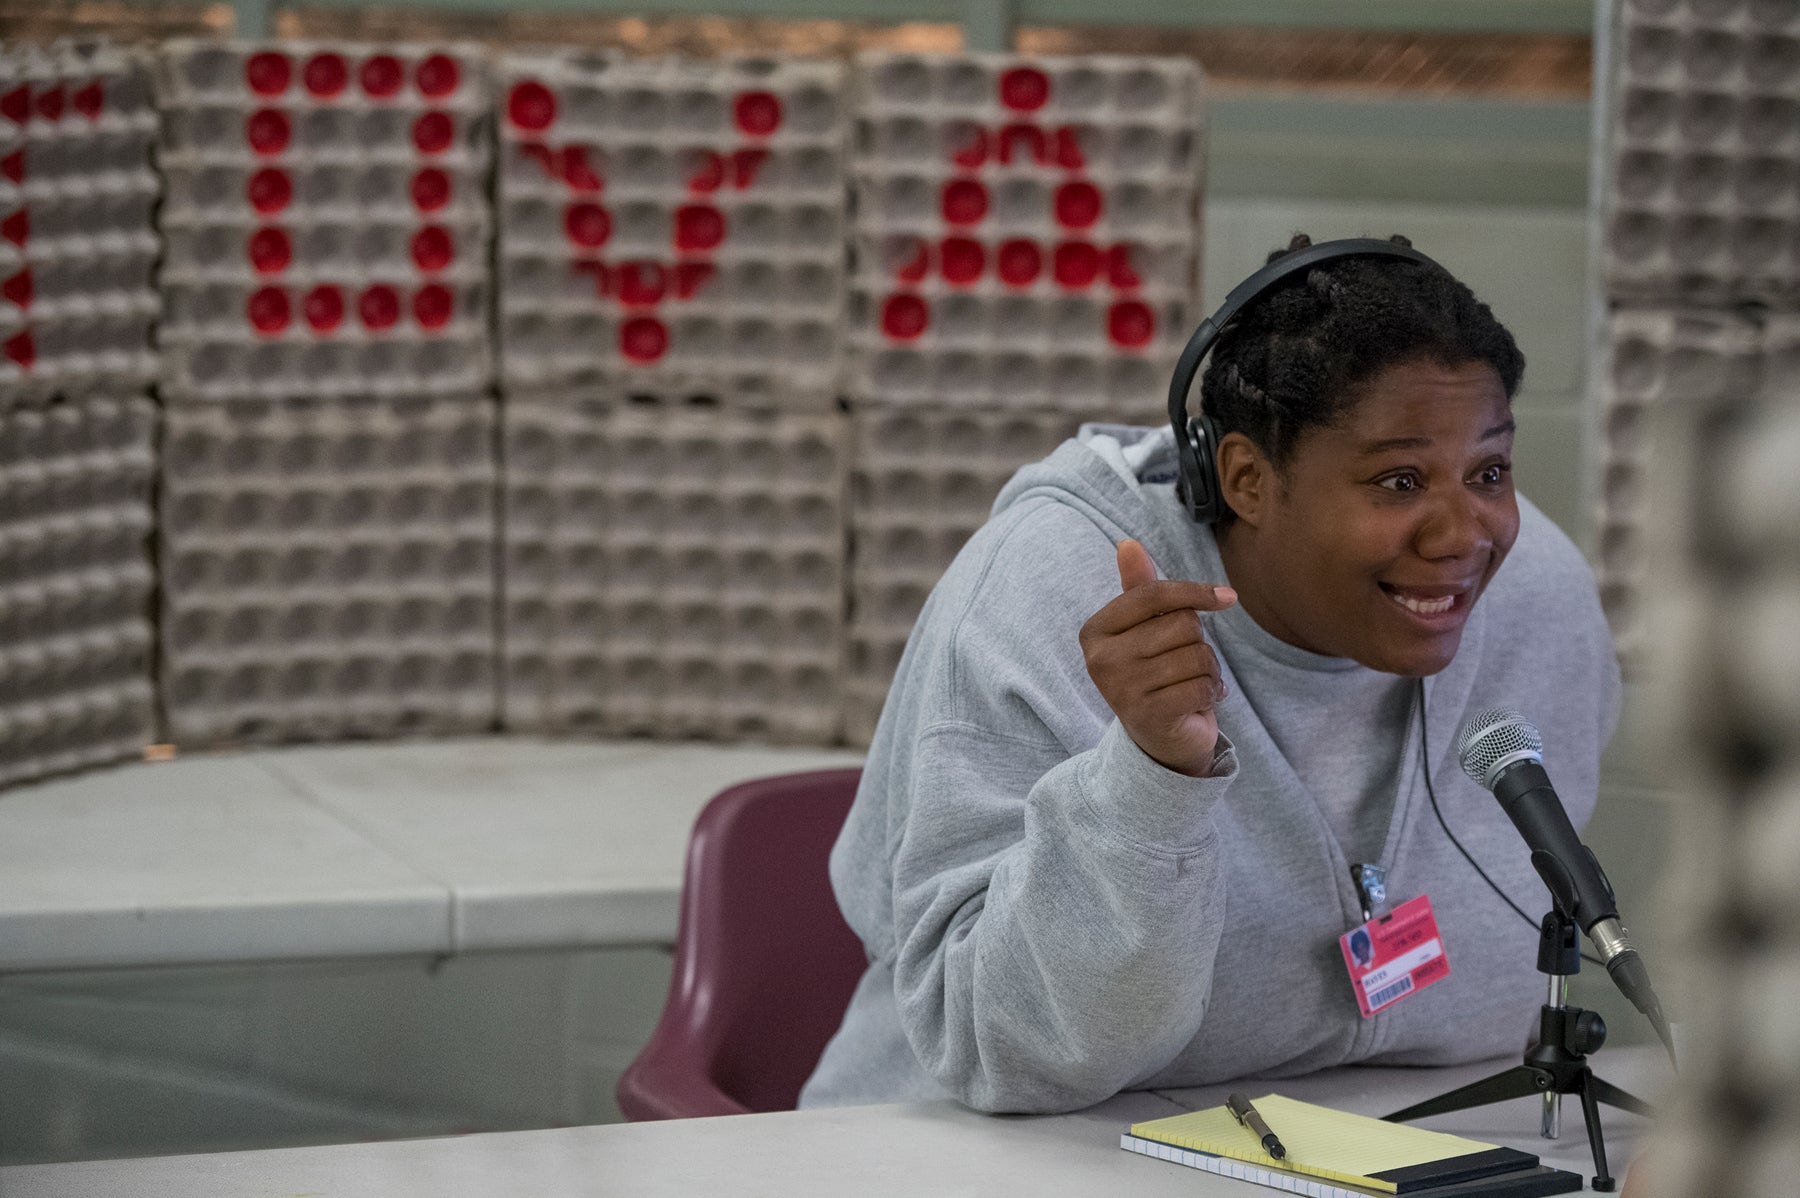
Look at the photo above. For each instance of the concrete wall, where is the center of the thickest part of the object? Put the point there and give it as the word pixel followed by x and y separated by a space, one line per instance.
pixel 139 1062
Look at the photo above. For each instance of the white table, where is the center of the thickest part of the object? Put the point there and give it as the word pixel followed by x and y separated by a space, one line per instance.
pixel 425 848
pixel 933 1149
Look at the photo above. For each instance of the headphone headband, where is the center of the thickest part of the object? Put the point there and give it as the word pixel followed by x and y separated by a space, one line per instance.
pixel 1195 440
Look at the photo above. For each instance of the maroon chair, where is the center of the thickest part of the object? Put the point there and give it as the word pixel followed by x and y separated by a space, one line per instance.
pixel 764 963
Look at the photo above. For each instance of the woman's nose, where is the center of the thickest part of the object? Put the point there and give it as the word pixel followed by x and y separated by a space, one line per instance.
pixel 1453 528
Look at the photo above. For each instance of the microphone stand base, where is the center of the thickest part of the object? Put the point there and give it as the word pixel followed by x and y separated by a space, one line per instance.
pixel 1522 1081
pixel 1558 1063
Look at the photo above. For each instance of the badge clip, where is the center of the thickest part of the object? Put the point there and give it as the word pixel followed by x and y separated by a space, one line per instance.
pixel 1371 888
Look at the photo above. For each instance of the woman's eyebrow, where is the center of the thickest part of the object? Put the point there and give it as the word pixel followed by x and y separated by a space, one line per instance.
pixel 1375 447
pixel 1391 443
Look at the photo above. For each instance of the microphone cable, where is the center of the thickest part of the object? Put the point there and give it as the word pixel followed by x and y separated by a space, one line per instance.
pixel 1425 749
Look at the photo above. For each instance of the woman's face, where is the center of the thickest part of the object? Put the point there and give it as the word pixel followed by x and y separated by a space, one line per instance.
pixel 1381 532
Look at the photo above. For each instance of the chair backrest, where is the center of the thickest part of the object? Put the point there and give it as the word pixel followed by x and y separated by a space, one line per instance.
pixel 764 963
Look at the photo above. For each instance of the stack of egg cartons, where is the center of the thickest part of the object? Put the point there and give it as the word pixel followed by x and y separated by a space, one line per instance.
pixel 328 484
pixel 1701 255
pixel 77 428
pixel 1657 357
pixel 1701 238
pixel 670 311
pixel 76 240
pixel 1702 201
pixel 1025 258
pixel 1723 658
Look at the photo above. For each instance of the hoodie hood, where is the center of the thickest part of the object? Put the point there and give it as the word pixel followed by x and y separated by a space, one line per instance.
pixel 1122 477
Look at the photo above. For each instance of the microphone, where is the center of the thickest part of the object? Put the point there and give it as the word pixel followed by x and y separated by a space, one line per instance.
pixel 1501 750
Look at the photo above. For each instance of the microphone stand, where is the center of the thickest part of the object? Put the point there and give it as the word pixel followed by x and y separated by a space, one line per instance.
pixel 1558 1064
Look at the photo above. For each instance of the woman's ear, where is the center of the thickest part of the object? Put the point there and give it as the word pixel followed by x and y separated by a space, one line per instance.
pixel 1246 477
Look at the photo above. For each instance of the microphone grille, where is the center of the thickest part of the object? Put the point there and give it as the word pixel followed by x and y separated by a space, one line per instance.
pixel 1495 735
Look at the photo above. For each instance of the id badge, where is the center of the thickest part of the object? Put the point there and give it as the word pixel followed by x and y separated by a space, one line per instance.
pixel 1394 955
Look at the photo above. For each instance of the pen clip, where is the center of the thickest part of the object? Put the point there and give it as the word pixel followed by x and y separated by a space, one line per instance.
pixel 1238 1103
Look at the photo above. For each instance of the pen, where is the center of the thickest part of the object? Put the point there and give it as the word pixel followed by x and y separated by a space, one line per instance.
pixel 1244 1113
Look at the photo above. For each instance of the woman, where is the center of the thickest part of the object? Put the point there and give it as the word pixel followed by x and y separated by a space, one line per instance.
pixel 1104 843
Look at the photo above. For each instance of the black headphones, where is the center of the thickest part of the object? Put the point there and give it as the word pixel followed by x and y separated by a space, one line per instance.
pixel 1196 441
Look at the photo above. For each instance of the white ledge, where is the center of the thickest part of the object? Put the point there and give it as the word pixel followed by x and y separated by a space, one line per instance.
pixel 420 848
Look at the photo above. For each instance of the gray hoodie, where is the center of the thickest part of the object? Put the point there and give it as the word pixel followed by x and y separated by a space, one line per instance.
pixel 1052 917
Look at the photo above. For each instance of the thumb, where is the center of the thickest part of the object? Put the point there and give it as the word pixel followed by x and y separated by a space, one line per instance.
pixel 1135 567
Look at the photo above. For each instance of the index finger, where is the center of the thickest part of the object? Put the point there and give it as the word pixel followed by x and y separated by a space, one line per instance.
pixel 1153 599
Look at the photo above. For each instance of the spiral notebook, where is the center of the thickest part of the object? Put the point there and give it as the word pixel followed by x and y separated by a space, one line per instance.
pixel 1334 1153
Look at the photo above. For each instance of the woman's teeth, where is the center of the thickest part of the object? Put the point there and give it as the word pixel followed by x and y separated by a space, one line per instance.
pixel 1425 607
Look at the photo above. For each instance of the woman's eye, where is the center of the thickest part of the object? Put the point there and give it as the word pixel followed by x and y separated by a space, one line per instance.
pixel 1494 475
pixel 1400 482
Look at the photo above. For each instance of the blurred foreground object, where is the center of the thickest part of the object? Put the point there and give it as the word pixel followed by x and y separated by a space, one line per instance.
pixel 1701 421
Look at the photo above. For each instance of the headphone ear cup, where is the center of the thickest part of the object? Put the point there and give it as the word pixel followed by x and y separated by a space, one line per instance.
pixel 1190 481
pixel 1204 500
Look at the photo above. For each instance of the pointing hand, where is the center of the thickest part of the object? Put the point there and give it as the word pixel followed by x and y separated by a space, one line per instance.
pixel 1148 655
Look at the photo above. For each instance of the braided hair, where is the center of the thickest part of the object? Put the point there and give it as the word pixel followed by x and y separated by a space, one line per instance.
pixel 1296 358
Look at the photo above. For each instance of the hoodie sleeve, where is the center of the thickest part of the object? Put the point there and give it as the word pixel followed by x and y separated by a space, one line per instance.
pixel 1056 899
pixel 1054 937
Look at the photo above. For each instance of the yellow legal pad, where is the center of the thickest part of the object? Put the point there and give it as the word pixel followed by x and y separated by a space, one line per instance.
pixel 1321 1142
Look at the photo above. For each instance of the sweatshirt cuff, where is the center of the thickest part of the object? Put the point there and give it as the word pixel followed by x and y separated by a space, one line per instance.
pixel 1146 802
